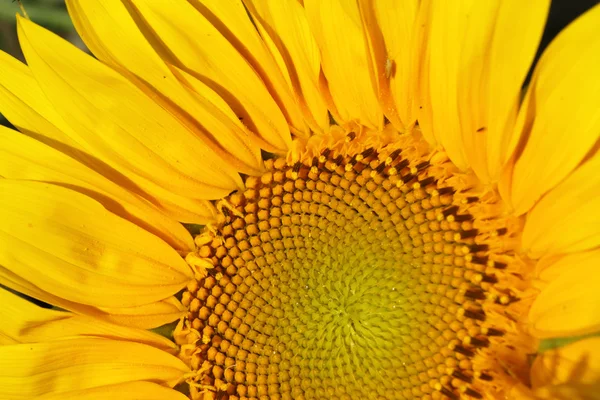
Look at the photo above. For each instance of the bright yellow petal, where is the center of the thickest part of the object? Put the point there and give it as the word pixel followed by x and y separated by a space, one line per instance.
pixel 421 41
pixel 549 268
pixel 26 322
pixel 338 30
pixel 69 245
pixel 205 91
pixel 395 52
pixel 516 36
pixel 177 207
pixel 479 54
pixel 557 392
pixel 569 392
pixel 567 219
pixel 24 158
pixel 24 104
pixel 231 18
pixel 147 316
pixel 107 22
pixel 561 116
pixel 570 304
pixel 116 121
pixel 6 340
pixel 285 21
pixel 439 80
pixel 35 369
pixel 122 391
pixel 196 46
pixel 575 363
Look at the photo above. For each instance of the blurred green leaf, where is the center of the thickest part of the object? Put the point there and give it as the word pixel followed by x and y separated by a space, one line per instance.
pixel 49 13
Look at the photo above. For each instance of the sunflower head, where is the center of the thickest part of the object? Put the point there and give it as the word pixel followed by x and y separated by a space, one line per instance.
pixel 301 200
pixel 365 266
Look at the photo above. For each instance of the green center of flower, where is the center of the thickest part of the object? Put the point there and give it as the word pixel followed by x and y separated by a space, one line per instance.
pixel 352 274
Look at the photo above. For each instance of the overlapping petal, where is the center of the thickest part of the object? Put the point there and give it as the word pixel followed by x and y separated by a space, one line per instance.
pixel 121 391
pixel 286 23
pixel 574 363
pixel 567 219
pixel 114 120
pixel 565 373
pixel 61 366
pixel 569 305
pixel 394 44
pixel 478 55
pixel 560 118
pixel 24 104
pixel 569 391
pixel 195 45
pixel 146 316
pixel 67 244
pixel 231 18
pixel 340 35
pixel 112 35
pixel 27 159
pixel 25 322
pixel 565 391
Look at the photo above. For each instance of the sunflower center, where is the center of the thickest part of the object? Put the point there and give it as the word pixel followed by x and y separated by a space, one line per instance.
pixel 364 269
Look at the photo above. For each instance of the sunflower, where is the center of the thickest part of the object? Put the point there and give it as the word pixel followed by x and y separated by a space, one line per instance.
pixel 301 200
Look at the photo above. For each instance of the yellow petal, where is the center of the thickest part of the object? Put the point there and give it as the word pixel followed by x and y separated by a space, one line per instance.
pixel 218 104
pixel 562 119
pixel 424 113
pixel 440 106
pixel 516 37
pixel 395 53
pixel 147 316
pixel 6 340
pixel 35 369
pixel 521 392
pixel 177 207
pixel 122 391
pixel 24 104
pixel 556 392
pixel 569 392
pixel 473 90
pixel 549 268
pixel 567 219
pixel 285 21
pixel 26 322
pixel 110 32
pixel 575 363
pixel 570 304
pixel 69 245
pixel 196 46
pixel 117 122
pixel 247 36
pixel 24 158
pixel 339 32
